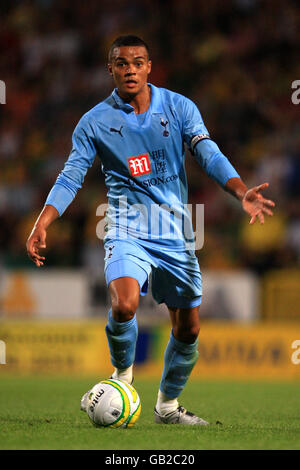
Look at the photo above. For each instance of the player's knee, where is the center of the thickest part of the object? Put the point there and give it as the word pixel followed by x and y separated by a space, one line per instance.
pixel 194 333
pixel 188 335
pixel 123 309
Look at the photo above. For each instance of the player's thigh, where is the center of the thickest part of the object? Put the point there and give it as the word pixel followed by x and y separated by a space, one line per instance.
pixel 125 294
pixel 185 323
pixel 177 280
pixel 127 270
pixel 125 258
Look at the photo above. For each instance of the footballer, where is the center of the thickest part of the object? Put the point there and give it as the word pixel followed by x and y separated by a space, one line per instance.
pixel 139 133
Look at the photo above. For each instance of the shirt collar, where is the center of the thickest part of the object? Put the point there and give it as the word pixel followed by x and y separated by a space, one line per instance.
pixel 155 105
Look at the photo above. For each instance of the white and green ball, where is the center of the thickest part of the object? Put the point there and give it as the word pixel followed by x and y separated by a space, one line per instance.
pixel 113 403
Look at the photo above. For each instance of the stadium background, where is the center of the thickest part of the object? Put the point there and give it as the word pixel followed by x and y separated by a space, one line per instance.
pixel 237 60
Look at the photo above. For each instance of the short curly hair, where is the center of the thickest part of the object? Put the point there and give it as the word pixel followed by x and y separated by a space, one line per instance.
pixel 128 40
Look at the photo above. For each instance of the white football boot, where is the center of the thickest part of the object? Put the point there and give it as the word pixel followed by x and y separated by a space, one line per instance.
pixel 179 416
pixel 124 374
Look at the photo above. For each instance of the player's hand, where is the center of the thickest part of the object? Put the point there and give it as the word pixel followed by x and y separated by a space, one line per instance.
pixel 36 241
pixel 256 205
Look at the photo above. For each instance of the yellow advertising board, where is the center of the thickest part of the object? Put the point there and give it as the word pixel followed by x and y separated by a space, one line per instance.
pixel 226 350
pixel 281 295
pixel 264 351
pixel 55 347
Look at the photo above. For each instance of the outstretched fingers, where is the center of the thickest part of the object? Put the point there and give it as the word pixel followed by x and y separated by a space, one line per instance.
pixel 267 211
pixel 270 203
pixel 260 216
pixel 261 187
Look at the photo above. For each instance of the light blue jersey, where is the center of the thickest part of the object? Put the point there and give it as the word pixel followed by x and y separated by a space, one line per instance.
pixel 143 160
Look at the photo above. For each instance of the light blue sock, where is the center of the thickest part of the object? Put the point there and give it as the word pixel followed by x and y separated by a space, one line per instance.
pixel 180 359
pixel 122 337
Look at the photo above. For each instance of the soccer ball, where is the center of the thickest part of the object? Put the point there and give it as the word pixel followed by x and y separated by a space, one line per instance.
pixel 113 403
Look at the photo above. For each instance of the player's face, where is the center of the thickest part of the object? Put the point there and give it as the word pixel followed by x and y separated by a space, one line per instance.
pixel 130 67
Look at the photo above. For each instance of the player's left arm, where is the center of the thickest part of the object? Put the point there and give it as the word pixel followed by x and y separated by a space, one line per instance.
pixel 218 167
pixel 252 200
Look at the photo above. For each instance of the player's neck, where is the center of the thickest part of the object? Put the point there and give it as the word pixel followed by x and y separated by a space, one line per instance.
pixel 141 101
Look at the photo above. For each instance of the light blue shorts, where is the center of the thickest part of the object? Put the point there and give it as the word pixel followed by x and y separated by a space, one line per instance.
pixel 175 275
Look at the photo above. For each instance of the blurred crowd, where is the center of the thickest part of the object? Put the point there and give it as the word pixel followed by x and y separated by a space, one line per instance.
pixel 235 59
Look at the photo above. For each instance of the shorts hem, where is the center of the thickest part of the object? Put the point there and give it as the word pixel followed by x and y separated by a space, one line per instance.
pixel 183 302
pixel 111 274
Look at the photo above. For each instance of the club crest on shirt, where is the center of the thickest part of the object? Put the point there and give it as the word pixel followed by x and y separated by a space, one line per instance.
pixel 139 165
pixel 164 124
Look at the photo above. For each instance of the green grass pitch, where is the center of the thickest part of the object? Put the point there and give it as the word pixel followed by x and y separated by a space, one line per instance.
pixel 43 413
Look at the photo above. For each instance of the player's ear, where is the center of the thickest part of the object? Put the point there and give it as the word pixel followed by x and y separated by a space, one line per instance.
pixel 109 68
pixel 149 66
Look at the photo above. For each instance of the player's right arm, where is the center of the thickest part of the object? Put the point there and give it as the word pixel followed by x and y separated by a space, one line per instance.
pixel 65 188
pixel 37 238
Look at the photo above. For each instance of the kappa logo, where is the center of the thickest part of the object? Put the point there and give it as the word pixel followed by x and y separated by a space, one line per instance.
pixel 118 131
pixel 139 165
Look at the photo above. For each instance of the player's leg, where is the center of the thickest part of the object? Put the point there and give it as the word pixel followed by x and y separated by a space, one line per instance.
pixel 121 329
pixel 181 354
pixel 177 283
pixel 127 268
pixel 185 323
pixel 126 271
pixel 180 357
